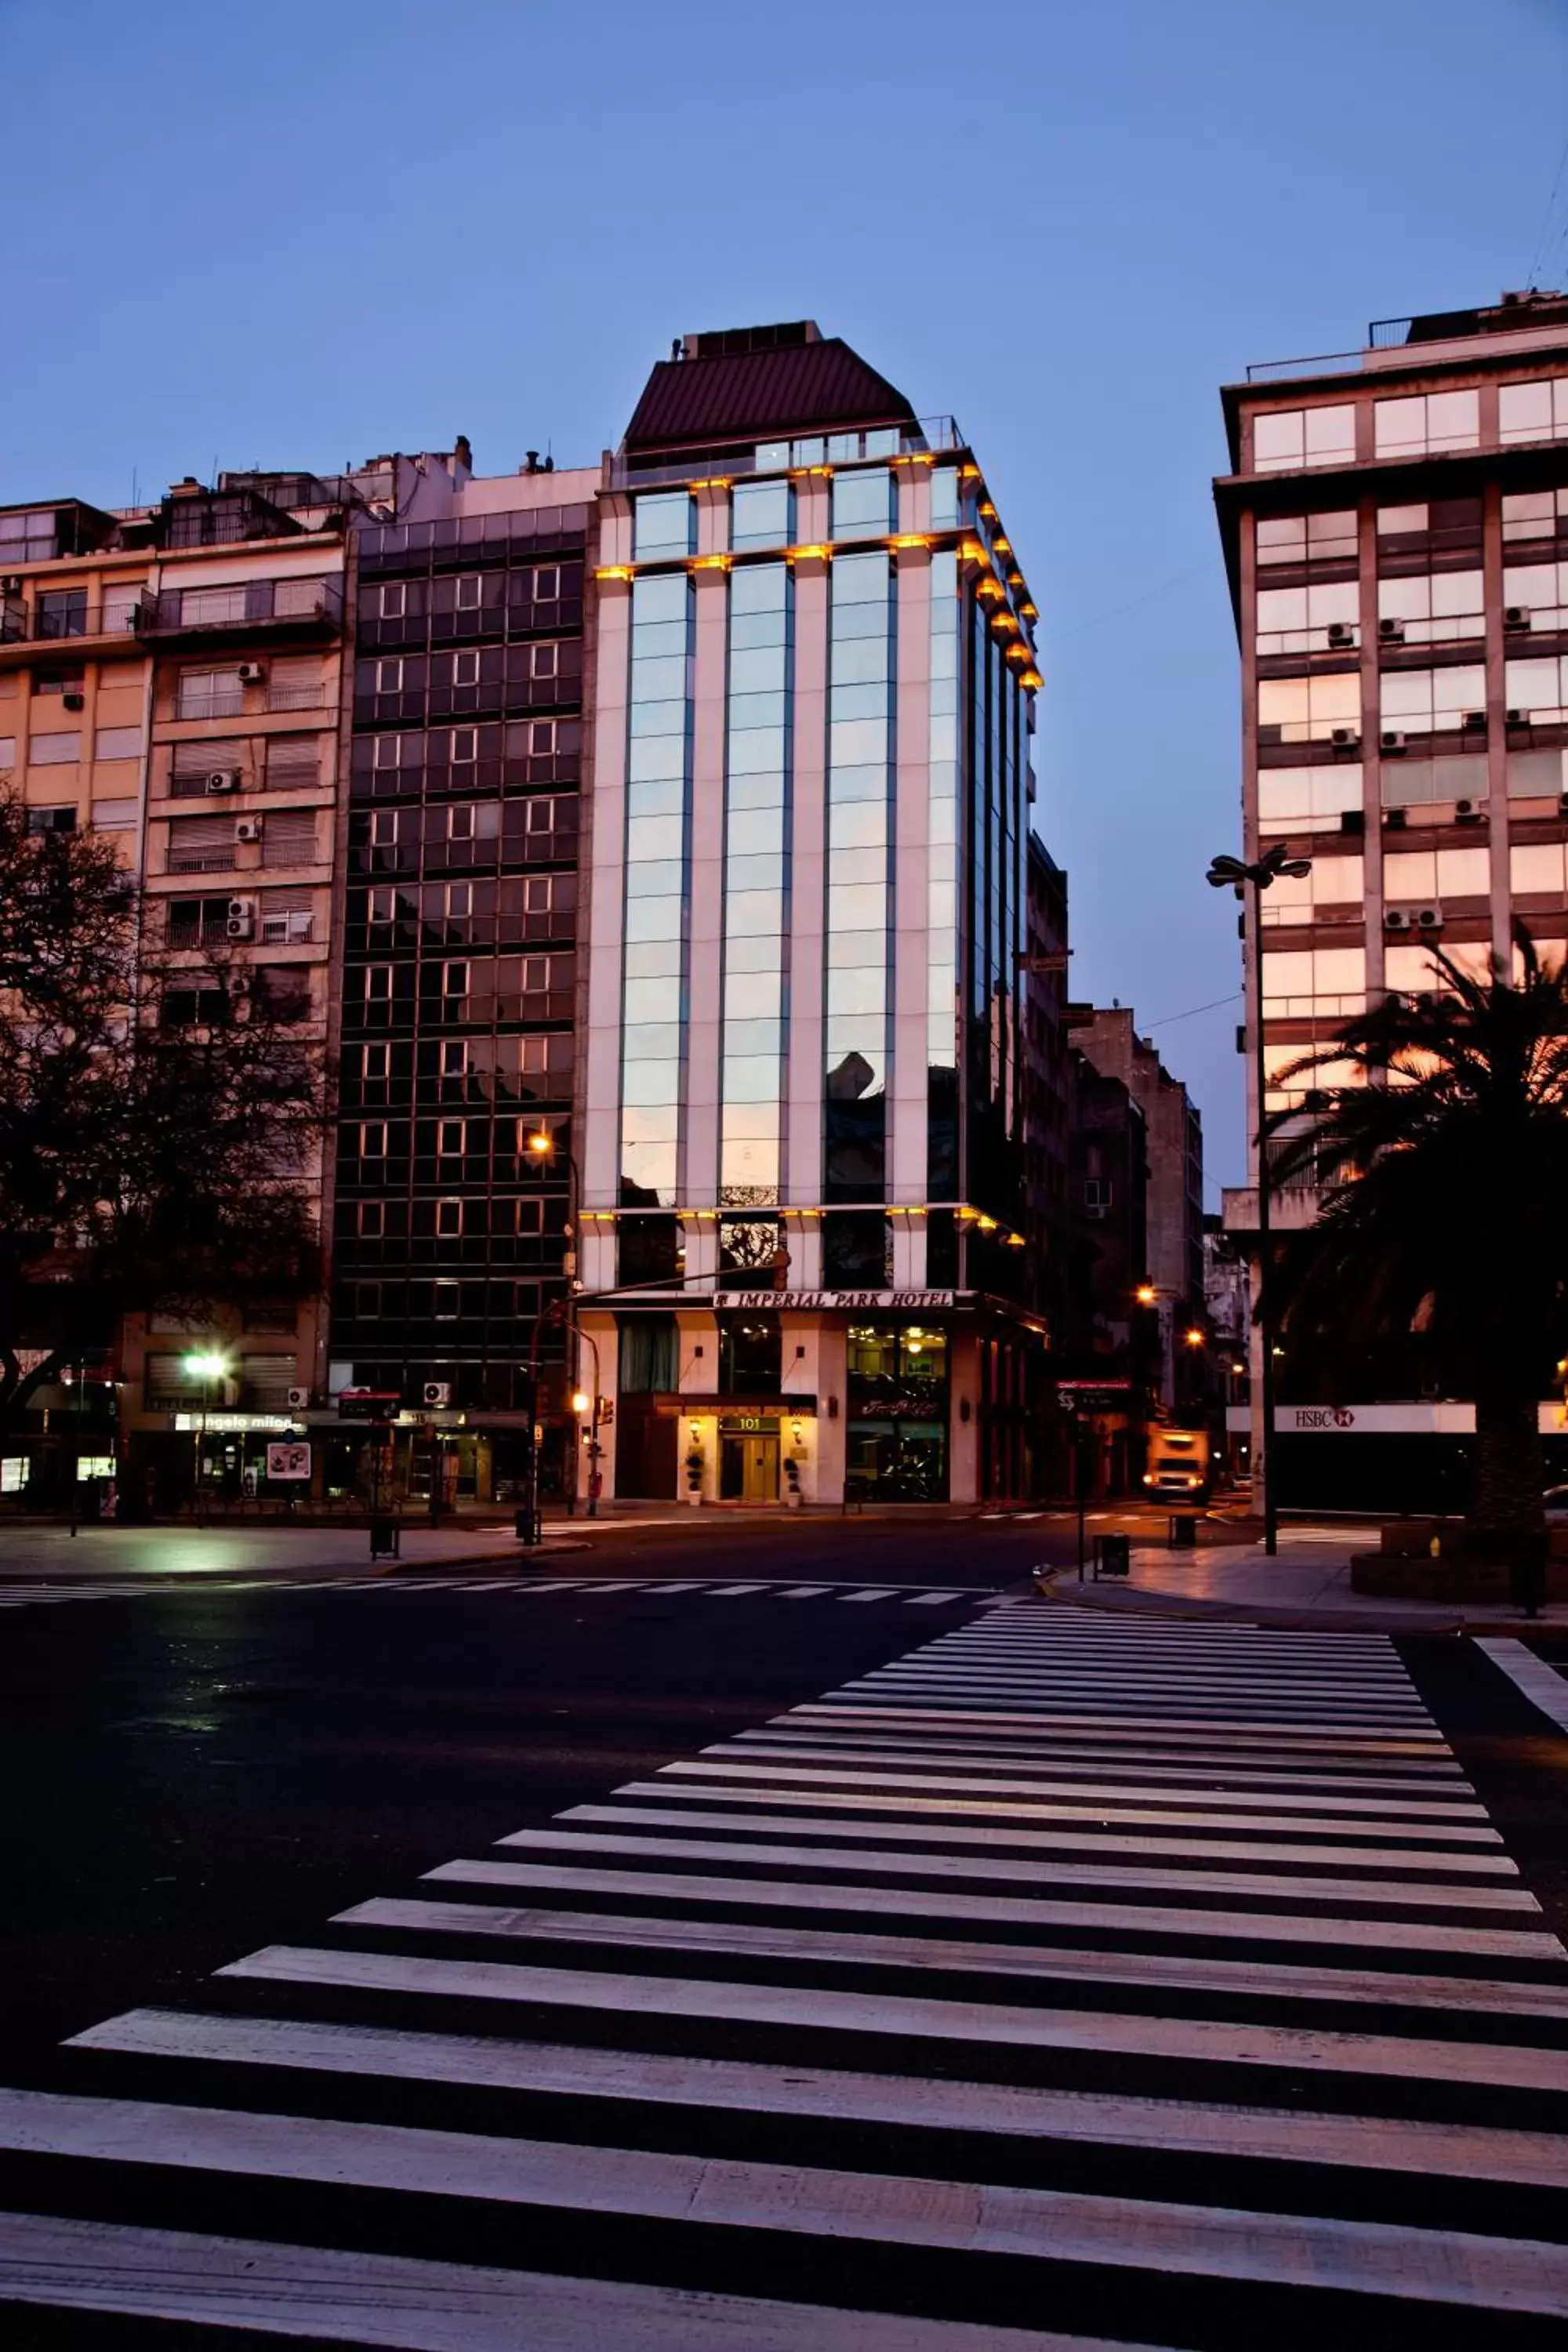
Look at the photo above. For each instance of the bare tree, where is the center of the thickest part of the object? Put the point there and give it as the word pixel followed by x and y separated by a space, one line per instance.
pixel 154 1120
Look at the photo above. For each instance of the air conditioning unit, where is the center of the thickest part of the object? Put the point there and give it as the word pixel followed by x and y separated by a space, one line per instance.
pixel 1429 918
pixel 1352 820
pixel 1395 918
pixel 1341 634
pixel 1391 742
pixel 74 698
pixel 11 585
pixel 1516 616
pixel 241 921
pixel 1517 718
pixel 1468 812
pixel 1344 738
pixel 253 673
pixel 437 1392
pixel 1562 804
pixel 247 828
pixel 1393 818
pixel 239 986
pixel 1391 633
pixel 1094 1212
pixel 1473 720
pixel 298 1400
pixel 223 779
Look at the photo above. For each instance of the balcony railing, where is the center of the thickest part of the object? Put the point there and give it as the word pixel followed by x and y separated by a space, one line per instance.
pixel 21 624
pixel 310 607
pixel 782 453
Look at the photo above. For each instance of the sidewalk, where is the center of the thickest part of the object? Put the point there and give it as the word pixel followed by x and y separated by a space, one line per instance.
pixel 1308 1583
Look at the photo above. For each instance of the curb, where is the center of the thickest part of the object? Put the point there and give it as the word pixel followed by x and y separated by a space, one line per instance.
pixel 505 1563
pixel 1281 1617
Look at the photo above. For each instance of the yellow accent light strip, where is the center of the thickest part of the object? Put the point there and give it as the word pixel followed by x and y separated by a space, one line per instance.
pixel 614 572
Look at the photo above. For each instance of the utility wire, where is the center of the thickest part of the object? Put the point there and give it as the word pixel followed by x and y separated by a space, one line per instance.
pixel 1539 255
pixel 1056 636
pixel 1193 1009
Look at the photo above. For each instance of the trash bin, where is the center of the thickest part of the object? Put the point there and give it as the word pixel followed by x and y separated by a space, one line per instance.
pixel 383 1539
pixel 1183 1533
pixel 1113 1555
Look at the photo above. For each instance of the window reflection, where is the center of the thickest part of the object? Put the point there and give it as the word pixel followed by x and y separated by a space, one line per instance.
pixel 762 514
pixel 663 524
pixel 656 869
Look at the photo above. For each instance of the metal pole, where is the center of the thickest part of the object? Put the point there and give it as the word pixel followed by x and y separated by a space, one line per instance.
pixel 1263 1468
pixel 76 1460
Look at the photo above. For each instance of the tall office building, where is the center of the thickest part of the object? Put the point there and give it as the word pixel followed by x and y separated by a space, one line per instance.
pixel 458 890
pixel 802 1153
pixel 1395 528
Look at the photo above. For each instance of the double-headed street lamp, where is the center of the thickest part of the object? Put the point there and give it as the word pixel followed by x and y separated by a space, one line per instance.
pixel 544 1149
pixel 1261 875
pixel 206 1367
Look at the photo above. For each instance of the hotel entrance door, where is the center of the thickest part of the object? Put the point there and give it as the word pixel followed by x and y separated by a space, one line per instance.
pixel 749 1466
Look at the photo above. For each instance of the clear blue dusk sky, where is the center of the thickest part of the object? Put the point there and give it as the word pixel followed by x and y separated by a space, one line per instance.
pixel 297 234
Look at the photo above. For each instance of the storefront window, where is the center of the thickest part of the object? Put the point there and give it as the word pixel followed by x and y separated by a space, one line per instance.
pixel 896 1442
pixel 750 1356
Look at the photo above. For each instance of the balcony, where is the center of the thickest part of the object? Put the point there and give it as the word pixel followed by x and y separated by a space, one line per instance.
pixel 1292 1208
pixel 67 621
pixel 780 456
pixel 243 612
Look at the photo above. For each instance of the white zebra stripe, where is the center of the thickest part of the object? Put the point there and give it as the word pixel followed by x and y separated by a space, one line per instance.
pixel 1377 2143
pixel 1504 2066
pixel 1426 1894
pixel 1292 2250
pixel 1521 1944
pixel 746 1939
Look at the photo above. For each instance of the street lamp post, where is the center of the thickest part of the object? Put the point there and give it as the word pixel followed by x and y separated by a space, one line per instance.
pixel 206 1368
pixel 1260 875
pixel 544 1146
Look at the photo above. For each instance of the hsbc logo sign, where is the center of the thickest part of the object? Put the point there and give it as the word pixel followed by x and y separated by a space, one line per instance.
pixel 1321 1416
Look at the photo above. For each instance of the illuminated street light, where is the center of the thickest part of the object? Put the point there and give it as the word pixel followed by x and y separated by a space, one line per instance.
pixel 1194 1337
pixel 1234 874
pixel 1146 1294
pixel 579 1400
pixel 206 1368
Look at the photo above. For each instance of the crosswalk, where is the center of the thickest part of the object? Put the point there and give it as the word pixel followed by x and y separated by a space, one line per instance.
pixel 715 1588
pixel 1064 1982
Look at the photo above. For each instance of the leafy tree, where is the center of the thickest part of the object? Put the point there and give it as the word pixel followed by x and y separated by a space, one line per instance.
pixel 141 1164
pixel 1442 1153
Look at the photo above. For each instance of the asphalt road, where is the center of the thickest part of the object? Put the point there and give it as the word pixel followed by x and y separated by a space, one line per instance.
pixel 199 1776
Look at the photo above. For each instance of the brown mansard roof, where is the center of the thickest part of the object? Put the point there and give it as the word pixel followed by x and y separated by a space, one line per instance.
pixel 755 396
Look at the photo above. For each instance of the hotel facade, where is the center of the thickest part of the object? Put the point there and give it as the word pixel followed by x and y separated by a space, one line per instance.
pixel 801 1122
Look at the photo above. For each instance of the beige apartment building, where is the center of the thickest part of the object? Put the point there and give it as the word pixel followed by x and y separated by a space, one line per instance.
pixel 171 676
pixel 75 678
pixel 1395 529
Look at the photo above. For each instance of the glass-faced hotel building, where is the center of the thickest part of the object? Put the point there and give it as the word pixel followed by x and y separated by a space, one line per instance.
pixel 800 1147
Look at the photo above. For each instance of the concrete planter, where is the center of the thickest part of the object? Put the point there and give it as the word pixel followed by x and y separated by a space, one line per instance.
pixel 1451 1577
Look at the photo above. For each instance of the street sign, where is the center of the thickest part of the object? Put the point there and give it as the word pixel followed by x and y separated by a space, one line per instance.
pixel 368 1404
pixel 290 1459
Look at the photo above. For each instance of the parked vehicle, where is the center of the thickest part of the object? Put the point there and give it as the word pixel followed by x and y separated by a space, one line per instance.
pixel 1177 1464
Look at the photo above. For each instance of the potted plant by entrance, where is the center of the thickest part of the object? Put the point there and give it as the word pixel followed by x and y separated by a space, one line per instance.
pixel 694 1473
pixel 793 1497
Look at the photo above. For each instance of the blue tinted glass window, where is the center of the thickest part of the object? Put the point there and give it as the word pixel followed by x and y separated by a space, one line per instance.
pixel 761 514
pixel 944 497
pixel 862 503
pixel 664 525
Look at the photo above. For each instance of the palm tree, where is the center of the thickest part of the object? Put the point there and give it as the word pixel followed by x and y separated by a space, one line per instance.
pixel 1442 1150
